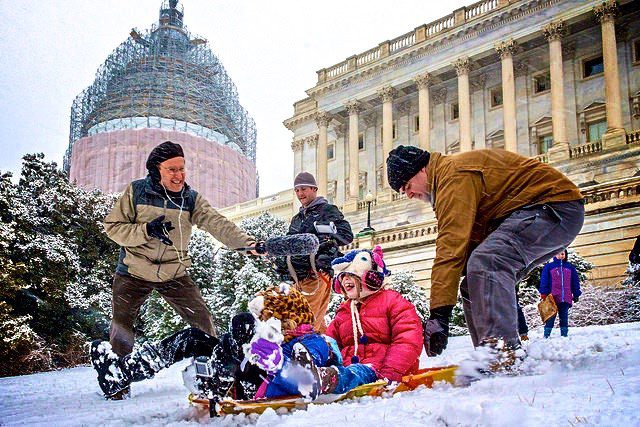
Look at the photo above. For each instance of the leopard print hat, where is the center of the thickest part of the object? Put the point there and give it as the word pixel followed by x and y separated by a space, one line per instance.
pixel 284 303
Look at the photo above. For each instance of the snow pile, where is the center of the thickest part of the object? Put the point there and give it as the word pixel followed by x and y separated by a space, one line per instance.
pixel 590 378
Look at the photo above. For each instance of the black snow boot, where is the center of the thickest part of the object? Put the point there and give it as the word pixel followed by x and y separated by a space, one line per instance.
pixel 215 375
pixel 243 327
pixel 112 378
pixel 115 374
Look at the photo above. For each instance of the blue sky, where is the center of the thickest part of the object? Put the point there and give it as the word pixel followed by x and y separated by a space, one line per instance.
pixel 50 51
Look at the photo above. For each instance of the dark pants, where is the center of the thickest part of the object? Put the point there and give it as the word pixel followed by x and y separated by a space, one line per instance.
pixel 129 293
pixel 523 240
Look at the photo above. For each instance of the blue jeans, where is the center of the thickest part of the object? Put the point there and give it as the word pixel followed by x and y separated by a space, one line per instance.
pixel 563 312
pixel 352 376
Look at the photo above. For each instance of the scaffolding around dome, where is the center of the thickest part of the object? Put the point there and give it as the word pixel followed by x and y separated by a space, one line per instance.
pixel 164 78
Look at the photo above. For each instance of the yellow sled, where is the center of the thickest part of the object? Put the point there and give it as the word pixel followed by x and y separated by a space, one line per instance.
pixel 424 377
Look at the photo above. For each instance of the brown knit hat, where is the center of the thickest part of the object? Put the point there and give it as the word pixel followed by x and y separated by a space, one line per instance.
pixel 284 303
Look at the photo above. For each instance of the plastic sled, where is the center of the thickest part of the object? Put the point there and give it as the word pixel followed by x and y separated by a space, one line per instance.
pixel 424 377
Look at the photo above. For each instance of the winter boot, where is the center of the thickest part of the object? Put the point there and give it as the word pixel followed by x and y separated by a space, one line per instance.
pixel 493 357
pixel 547 332
pixel 564 331
pixel 243 327
pixel 213 377
pixel 112 377
pixel 115 374
pixel 318 380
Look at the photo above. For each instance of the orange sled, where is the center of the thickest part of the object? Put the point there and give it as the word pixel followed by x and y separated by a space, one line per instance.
pixel 424 377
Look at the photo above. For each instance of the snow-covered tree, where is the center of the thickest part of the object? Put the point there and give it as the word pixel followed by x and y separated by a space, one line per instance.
pixel 237 277
pixel 405 283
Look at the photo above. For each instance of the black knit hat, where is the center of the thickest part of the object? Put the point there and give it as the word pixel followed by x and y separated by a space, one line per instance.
pixel 403 164
pixel 165 151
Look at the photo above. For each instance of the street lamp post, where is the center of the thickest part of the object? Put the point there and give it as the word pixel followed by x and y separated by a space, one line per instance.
pixel 369 199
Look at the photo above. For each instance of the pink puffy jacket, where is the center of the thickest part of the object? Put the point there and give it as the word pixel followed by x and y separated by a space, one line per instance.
pixel 393 334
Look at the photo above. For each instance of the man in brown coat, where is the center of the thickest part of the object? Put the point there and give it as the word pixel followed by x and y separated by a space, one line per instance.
pixel 499 215
pixel 152 222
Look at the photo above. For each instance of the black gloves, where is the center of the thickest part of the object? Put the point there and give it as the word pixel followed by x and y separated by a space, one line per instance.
pixel 436 330
pixel 575 299
pixel 160 230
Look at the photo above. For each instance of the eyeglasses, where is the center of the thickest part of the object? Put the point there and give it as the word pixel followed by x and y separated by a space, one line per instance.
pixel 174 171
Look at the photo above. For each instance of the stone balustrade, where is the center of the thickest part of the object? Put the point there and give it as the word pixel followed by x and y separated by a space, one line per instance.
pixel 633 136
pixel 543 158
pixel 402 42
pixel 480 8
pixel 415 37
pixel 585 149
pixel 440 25
pixel 619 189
pixel 368 56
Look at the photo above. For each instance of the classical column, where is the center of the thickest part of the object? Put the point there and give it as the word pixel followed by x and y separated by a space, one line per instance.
pixel 296 146
pixel 462 67
pixel 553 33
pixel 386 93
pixel 506 49
pixel 322 120
pixel 440 97
pixel 353 107
pixel 423 81
pixel 606 13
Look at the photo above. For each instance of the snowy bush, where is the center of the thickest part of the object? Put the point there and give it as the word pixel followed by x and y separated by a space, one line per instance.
pixel 405 283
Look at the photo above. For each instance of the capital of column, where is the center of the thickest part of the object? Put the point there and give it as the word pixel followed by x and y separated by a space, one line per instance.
pixel 341 130
pixel 506 48
pixel 606 11
pixel 462 65
pixel 312 140
pixel 422 80
pixel 297 144
pixel 322 118
pixel 353 106
pixel 440 96
pixel 387 93
pixel 554 30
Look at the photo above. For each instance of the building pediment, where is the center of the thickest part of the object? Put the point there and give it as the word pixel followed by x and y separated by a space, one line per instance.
pixel 597 104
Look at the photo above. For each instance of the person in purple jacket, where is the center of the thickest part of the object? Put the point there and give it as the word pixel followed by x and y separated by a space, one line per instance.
pixel 560 278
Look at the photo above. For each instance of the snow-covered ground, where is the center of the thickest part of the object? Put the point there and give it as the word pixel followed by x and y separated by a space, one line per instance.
pixel 590 378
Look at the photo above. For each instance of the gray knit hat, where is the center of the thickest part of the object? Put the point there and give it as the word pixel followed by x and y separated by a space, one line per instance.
pixel 304 179
pixel 403 164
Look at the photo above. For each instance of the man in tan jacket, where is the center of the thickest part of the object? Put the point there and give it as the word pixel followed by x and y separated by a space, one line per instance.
pixel 152 222
pixel 499 215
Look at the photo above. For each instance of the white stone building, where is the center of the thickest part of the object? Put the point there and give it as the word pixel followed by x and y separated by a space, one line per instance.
pixel 555 79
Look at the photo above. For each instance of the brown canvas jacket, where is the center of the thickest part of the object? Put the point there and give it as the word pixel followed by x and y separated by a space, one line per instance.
pixel 149 259
pixel 468 190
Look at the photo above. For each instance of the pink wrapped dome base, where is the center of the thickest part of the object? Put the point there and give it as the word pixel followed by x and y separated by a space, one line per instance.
pixel 111 160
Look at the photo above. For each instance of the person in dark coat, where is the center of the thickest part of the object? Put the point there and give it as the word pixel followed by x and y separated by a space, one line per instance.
pixel 312 274
pixel 560 278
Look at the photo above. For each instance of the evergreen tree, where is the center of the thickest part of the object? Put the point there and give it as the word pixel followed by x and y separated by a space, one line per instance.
pixel 404 282
pixel 227 279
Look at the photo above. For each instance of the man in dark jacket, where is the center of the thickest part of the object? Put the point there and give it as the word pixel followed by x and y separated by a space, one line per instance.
pixel 532 208
pixel 312 274
pixel 152 222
